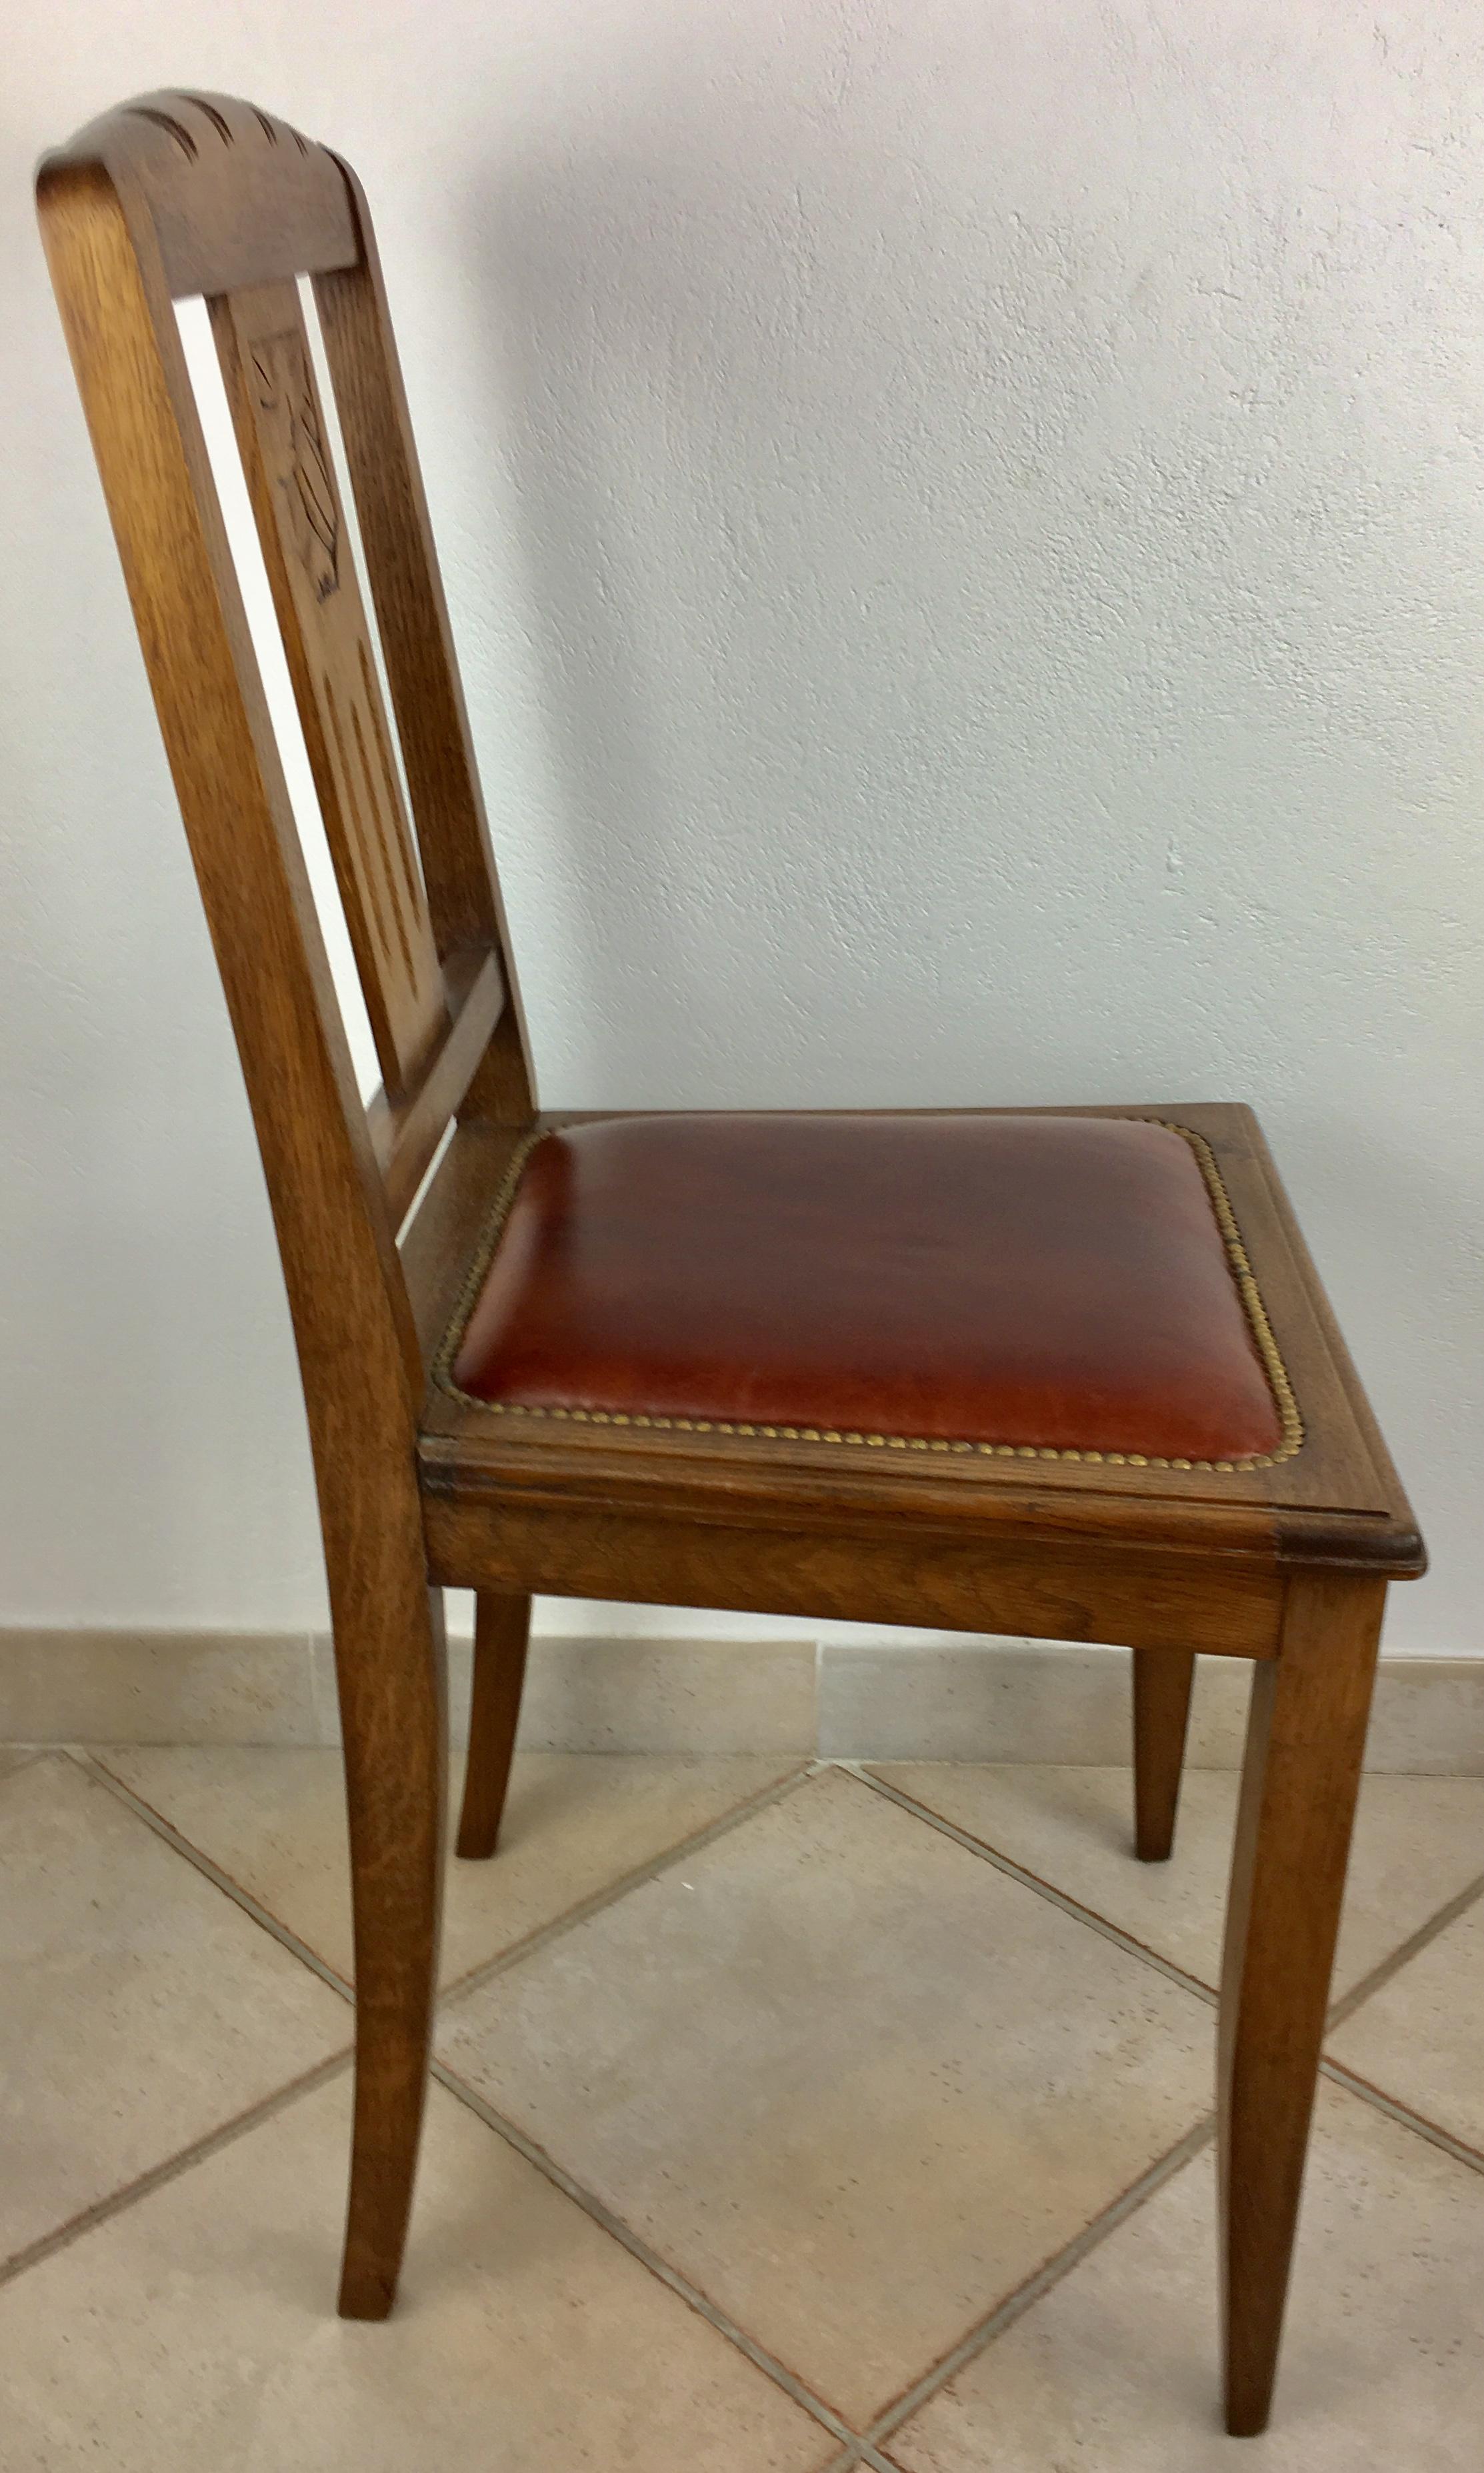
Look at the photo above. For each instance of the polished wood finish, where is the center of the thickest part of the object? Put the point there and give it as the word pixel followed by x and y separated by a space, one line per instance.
pixel 1285 1565
pixel 1162 1681
pixel 282 433
pixel 1305 1742
pixel 227 194
pixel 501 1629
pixel 391 1679
pixel 854 1570
pixel 428 694
pixel 113 213
pixel 1338 1501
pixel 405 1133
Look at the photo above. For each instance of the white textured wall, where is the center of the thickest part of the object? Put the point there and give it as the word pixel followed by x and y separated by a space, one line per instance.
pixel 966 527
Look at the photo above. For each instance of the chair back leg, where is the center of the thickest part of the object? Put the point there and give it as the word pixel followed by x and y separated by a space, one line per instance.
pixel 1162 1678
pixel 1306 1740
pixel 501 1629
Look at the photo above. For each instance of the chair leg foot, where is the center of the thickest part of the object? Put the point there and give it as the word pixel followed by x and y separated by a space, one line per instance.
pixel 365 2292
pixel 1162 1678
pixel 390 1661
pixel 1305 1744
pixel 501 1630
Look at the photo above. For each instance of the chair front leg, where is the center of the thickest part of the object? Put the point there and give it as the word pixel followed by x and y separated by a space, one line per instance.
pixel 1162 1678
pixel 1306 1740
pixel 391 1678
pixel 501 1630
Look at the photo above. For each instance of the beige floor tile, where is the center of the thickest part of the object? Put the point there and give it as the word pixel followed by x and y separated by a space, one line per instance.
pixel 853 2081
pixel 1420 2037
pixel 197 2330
pixel 1115 2369
pixel 1418 1842
pixel 139 2008
pixel 274 1820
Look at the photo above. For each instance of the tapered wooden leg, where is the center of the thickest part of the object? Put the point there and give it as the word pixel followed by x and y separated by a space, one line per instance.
pixel 501 1628
pixel 390 1665
pixel 1162 1678
pixel 1306 1738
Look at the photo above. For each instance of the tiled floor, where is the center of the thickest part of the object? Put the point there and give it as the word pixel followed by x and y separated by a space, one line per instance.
pixel 788 2118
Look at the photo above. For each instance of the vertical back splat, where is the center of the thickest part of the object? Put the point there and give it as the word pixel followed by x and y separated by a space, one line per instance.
pixel 280 429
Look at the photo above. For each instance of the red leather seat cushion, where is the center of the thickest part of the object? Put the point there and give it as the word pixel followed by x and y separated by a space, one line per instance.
pixel 1053 1282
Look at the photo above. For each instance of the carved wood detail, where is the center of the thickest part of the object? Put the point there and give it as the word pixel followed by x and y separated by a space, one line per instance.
pixel 285 449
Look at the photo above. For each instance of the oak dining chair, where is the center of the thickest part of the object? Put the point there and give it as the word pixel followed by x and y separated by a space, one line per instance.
pixel 1060 1371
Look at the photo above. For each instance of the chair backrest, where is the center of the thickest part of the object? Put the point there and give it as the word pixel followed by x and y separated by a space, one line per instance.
pixel 175 195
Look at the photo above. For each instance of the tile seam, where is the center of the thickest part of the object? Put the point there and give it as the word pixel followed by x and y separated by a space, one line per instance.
pixel 212 1871
pixel 1340 2011
pixel 475 1977
pixel 1033 1880
pixel 859 2449
pixel 611 2222
pixel 592 2206
pixel 1048 2274
pixel 1401 1955
pixel 130 2194
pixel 1403 2114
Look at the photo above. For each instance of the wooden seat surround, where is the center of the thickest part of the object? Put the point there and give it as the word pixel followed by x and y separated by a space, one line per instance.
pixel 1062 1372
pixel 995 1286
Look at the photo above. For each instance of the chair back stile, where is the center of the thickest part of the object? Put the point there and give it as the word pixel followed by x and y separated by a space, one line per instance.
pixel 174 195
pixel 1066 1373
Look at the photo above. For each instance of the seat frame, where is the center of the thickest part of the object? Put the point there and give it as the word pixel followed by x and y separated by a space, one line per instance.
pixel 1286 1566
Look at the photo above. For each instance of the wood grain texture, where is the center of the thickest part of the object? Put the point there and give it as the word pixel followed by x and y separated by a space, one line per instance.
pixel 229 195
pixel 390 1673
pixel 864 1572
pixel 285 442
pixel 1300 1780
pixel 412 611
pixel 502 1628
pixel 352 1321
pixel 1162 1680
pixel 1335 1501
pixel 1285 1566
pixel 405 1133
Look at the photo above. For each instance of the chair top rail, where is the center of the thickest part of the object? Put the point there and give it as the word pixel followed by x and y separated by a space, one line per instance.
pixel 236 196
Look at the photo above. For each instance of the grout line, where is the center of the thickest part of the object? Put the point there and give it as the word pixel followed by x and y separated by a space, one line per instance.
pixel 1032 1881
pixel 225 2135
pixel 477 1977
pixel 1341 2011
pixel 1006 2311
pixel 1382 1974
pixel 858 2450
pixel 639 2249
pixel 222 1880
pixel 17 1757
pixel 590 2204
pixel 1403 2114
